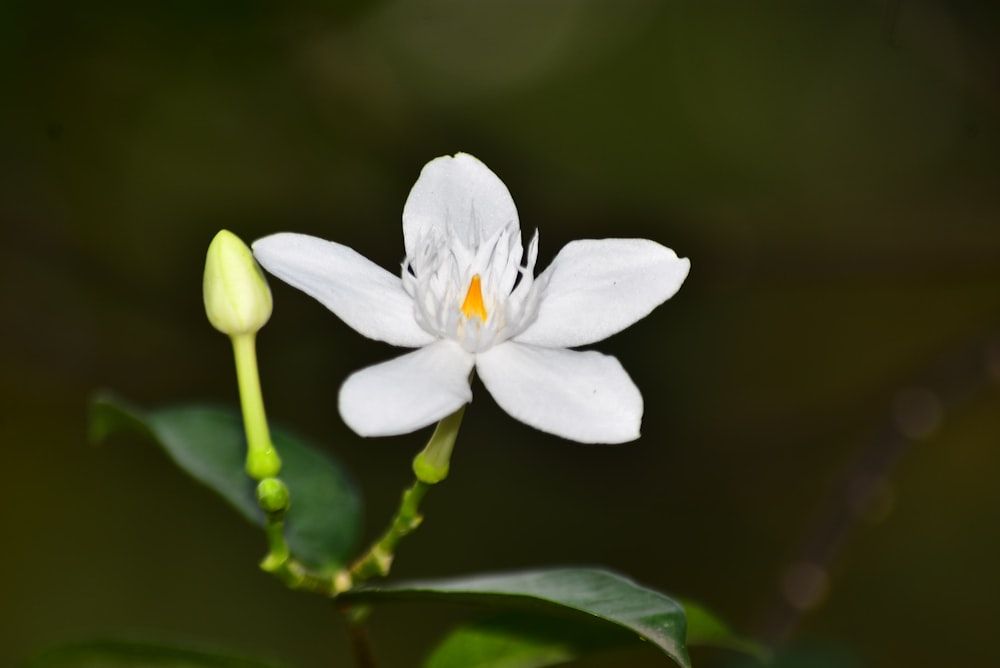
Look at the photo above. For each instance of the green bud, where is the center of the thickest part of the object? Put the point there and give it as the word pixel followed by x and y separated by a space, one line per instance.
pixel 273 496
pixel 237 298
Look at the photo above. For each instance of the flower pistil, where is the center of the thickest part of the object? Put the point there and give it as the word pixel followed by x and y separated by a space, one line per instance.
pixel 473 305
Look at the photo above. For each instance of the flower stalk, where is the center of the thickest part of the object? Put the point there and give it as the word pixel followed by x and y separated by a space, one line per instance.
pixel 377 561
pixel 292 573
pixel 262 458
pixel 430 467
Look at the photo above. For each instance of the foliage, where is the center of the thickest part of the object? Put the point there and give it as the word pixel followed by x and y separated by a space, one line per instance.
pixel 550 616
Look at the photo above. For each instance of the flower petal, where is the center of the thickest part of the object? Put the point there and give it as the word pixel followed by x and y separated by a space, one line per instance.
pixel 596 288
pixel 408 392
pixel 457 194
pixel 580 395
pixel 361 293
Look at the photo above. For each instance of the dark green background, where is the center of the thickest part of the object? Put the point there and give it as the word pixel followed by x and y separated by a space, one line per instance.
pixel 832 169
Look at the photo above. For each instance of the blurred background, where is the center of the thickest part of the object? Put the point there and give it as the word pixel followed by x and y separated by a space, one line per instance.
pixel 819 448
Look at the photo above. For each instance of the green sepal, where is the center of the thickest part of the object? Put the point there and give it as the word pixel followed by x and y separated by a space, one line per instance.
pixel 324 519
pixel 431 465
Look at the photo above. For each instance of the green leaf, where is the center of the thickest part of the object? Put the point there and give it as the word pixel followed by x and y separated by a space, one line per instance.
pixel 323 523
pixel 525 640
pixel 128 654
pixel 601 595
pixel 520 640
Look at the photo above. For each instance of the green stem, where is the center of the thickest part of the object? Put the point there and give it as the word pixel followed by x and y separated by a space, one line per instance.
pixel 430 467
pixel 378 559
pixel 276 539
pixel 277 561
pixel 262 459
pixel 375 562
pixel 361 646
pixel 291 572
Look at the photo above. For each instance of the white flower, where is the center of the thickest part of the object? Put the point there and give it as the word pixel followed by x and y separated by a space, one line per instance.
pixel 464 300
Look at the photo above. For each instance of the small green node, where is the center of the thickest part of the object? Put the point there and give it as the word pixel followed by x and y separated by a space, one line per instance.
pixel 342 581
pixel 262 462
pixel 427 472
pixel 273 495
pixel 383 561
pixel 272 563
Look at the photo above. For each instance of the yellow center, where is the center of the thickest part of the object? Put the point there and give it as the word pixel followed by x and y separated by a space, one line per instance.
pixel 473 304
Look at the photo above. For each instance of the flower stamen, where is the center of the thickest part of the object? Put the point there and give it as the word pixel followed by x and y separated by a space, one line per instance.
pixel 473 304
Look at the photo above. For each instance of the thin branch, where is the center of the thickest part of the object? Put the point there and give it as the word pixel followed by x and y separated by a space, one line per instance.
pixel 915 414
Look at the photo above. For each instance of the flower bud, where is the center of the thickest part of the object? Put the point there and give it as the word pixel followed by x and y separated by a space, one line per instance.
pixel 272 495
pixel 237 298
